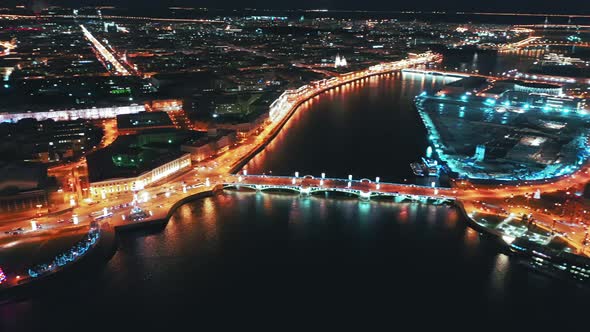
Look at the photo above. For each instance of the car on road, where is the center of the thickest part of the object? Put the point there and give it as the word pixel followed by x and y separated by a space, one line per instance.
pixel 15 231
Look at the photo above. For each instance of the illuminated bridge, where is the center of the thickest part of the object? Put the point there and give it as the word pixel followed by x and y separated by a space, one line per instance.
pixel 542 42
pixel 445 73
pixel 519 44
pixel 364 189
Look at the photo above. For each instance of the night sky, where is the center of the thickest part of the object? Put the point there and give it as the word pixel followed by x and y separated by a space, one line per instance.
pixel 542 6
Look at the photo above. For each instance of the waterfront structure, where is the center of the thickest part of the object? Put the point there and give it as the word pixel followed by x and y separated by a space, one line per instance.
pixel 513 155
pixel 560 60
pixel 123 185
pixel 539 88
pixel 364 189
pixel 73 114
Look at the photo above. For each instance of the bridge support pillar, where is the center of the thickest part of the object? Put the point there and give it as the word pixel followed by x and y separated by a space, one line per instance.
pixel 398 198
pixel 258 187
pixel 304 191
pixel 365 196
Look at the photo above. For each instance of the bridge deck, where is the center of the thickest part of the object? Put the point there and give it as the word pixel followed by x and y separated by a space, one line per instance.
pixel 363 188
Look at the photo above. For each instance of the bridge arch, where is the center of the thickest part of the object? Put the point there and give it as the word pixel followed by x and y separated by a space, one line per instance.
pixel 281 188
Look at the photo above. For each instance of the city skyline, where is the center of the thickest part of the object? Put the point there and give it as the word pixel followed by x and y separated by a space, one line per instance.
pixel 519 6
pixel 160 165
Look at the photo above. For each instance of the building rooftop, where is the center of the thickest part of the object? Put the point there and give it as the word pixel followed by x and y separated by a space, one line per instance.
pixel 144 120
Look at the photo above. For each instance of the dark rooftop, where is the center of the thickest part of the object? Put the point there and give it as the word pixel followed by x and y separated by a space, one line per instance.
pixel 143 120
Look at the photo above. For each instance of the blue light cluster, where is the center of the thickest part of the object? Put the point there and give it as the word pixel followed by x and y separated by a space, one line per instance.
pixel 74 253
pixel 466 167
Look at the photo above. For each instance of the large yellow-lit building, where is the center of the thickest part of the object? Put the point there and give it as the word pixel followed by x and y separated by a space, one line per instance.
pixel 120 185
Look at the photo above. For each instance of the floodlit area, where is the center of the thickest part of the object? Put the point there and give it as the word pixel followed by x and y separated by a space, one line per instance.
pixel 487 138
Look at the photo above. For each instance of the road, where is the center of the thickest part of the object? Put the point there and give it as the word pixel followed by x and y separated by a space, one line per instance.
pixel 106 54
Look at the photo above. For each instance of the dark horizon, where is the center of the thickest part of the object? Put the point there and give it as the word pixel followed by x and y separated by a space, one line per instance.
pixel 517 6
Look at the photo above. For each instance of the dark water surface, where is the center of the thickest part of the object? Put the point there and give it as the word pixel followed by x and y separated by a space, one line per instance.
pixel 368 128
pixel 277 260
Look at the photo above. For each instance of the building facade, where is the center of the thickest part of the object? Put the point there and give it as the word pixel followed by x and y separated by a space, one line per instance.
pixel 122 185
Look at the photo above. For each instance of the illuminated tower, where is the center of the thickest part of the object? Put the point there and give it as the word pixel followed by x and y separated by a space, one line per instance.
pixel 343 62
pixel 546 22
pixel 340 61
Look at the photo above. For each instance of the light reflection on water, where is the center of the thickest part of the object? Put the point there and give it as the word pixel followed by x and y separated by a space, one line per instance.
pixel 369 120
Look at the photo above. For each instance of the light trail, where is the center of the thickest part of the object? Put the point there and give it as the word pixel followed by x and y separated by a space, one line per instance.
pixel 119 68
